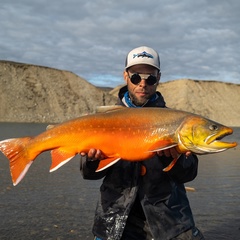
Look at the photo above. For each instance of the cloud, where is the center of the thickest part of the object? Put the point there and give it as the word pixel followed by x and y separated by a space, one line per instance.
pixel 198 40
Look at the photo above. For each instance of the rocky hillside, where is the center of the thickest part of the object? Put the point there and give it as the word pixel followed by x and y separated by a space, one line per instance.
pixel 32 93
pixel 215 100
pixel 218 101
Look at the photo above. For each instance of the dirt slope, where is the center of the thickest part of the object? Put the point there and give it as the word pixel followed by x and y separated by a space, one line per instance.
pixel 218 101
pixel 32 93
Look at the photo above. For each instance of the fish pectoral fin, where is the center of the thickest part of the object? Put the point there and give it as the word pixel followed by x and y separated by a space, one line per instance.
pixel 59 158
pixel 170 166
pixel 105 163
pixel 164 147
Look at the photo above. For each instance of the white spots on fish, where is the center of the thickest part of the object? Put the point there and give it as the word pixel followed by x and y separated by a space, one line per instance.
pixel 137 132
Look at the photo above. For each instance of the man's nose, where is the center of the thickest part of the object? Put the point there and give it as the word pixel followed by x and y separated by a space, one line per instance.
pixel 143 82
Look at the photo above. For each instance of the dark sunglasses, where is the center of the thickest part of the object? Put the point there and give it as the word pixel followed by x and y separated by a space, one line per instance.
pixel 136 78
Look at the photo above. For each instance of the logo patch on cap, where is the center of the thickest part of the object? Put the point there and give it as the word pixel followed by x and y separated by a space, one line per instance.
pixel 143 54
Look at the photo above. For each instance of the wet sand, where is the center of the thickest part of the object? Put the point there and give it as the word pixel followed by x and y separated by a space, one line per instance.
pixel 60 205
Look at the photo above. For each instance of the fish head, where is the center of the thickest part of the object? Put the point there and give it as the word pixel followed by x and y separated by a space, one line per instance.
pixel 201 136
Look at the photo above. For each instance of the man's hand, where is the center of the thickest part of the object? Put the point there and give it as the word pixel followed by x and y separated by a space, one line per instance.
pixel 94 154
pixel 172 152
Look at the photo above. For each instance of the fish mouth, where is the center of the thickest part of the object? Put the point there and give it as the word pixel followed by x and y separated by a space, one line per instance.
pixel 215 139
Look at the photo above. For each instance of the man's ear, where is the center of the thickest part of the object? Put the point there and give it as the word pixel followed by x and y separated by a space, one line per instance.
pixel 125 76
pixel 158 77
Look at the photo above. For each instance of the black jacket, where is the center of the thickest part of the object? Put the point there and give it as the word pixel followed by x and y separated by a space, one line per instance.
pixel 158 198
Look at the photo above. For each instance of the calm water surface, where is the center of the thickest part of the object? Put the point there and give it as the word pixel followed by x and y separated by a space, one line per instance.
pixel 60 205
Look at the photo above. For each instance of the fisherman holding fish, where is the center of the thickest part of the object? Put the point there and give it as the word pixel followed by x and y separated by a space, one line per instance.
pixel 138 200
pixel 142 149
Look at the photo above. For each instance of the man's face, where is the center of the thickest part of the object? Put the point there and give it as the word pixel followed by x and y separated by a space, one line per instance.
pixel 141 92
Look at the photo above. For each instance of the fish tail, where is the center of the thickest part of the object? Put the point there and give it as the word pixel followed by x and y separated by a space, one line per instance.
pixel 16 152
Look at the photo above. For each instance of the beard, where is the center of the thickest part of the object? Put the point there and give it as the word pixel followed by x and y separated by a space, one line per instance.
pixel 141 101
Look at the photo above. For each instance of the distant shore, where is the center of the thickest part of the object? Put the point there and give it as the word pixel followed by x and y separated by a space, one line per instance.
pixel 31 93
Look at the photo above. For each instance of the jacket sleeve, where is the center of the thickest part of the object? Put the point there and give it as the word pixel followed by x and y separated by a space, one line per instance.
pixel 88 169
pixel 185 169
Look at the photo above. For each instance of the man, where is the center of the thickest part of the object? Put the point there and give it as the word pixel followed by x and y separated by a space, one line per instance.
pixel 138 200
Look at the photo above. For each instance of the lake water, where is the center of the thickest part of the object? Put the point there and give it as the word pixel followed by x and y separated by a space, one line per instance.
pixel 60 205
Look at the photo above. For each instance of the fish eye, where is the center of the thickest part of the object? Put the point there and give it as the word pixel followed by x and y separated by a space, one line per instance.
pixel 213 127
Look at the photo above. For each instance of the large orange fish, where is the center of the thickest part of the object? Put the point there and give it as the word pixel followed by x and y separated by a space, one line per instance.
pixel 133 134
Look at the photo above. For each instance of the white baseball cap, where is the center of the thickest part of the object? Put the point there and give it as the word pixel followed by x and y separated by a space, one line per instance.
pixel 143 55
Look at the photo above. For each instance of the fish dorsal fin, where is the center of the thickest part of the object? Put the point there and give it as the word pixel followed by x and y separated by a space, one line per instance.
pixel 110 108
pixel 105 163
pixel 50 126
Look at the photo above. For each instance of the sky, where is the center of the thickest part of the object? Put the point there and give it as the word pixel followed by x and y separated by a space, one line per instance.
pixel 195 39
